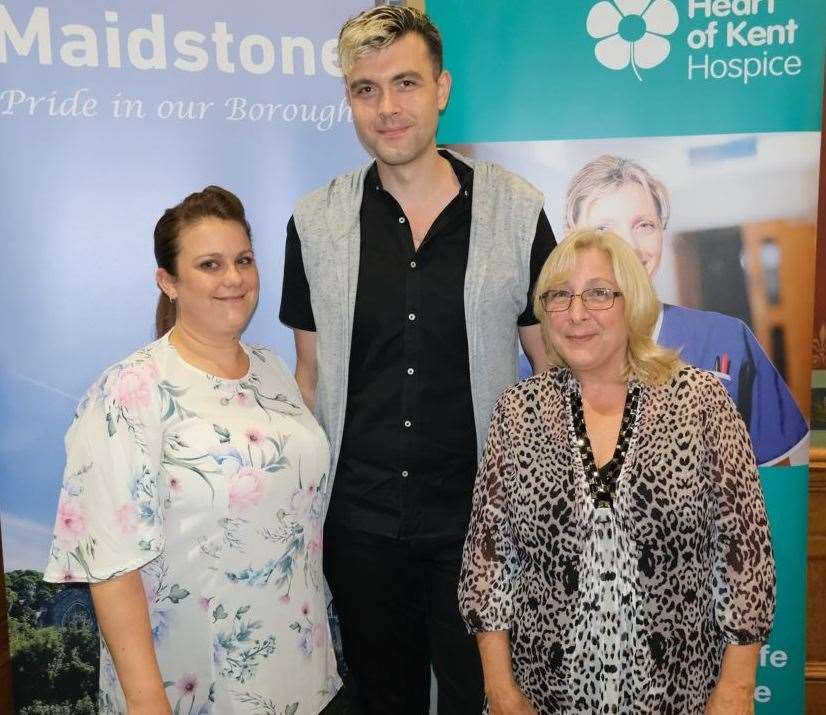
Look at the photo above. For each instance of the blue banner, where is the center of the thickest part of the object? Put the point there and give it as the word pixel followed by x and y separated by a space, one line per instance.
pixel 109 113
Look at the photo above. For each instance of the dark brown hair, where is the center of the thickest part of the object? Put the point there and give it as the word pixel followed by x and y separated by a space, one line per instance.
pixel 212 202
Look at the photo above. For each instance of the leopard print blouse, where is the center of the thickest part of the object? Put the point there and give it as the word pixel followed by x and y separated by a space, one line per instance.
pixel 688 531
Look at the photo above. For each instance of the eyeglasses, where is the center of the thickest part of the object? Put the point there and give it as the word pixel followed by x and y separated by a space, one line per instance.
pixel 557 301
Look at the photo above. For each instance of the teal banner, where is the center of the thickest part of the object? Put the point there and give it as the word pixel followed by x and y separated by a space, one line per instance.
pixel 710 111
pixel 782 660
pixel 566 70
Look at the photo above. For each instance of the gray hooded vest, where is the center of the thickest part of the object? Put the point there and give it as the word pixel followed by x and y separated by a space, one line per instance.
pixel 504 213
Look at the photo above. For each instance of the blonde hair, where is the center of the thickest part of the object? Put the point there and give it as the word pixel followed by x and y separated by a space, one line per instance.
pixel 608 173
pixel 381 26
pixel 648 362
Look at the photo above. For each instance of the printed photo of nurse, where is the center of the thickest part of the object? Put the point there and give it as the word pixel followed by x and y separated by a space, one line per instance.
pixel 727 235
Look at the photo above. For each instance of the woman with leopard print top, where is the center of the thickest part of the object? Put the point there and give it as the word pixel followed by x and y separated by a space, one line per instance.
pixel 618 558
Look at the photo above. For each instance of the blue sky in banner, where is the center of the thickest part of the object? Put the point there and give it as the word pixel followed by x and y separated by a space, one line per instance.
pixel 109 113
pixel 660 68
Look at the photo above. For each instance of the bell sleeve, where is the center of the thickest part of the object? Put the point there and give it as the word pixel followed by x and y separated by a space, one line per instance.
pixel 110 511
pixel 490 564
pixel 743 579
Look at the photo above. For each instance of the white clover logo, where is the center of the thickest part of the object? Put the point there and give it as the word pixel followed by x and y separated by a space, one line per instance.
pixel 632 32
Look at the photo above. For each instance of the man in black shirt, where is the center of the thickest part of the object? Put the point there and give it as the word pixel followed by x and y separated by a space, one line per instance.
pixel 396 369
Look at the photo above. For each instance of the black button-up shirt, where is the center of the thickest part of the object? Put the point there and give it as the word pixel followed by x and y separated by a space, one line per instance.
pixel 408 453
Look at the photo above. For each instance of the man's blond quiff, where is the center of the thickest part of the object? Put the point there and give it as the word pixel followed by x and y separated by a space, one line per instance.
pixel 381 26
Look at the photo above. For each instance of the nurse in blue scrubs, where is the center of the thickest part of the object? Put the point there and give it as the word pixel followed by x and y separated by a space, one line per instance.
pixel 620 195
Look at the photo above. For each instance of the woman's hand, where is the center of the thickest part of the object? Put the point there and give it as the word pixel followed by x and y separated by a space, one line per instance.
pixel 123 617
pixel 509 701
pixel 734 692
pixel 503 694
pixel 731 699
pixel 158 706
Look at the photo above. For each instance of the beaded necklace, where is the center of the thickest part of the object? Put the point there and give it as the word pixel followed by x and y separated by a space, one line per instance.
pixel 602 481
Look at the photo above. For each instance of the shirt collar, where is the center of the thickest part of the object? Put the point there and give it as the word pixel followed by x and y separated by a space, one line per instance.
pixel 464 174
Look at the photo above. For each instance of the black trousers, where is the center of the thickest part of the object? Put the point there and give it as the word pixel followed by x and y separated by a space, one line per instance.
pixel 398 612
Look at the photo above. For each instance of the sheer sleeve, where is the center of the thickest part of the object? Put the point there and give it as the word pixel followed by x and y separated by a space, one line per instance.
pixel 743 564
pixel 490 564
pixel 109 515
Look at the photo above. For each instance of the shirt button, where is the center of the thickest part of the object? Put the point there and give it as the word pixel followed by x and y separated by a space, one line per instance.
pixel 401 219
pixel 412 264
pixel 405 473
pixel 408 423
pixel 412 316
pixel 410 371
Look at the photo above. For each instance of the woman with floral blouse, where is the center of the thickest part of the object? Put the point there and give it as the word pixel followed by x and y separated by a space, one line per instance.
pixel 618 558
pixel 193 498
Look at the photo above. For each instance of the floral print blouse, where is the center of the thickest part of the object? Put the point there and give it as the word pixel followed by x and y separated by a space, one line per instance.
pixel 215 489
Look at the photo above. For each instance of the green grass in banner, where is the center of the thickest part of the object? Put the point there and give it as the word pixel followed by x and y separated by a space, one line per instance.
pixel 527 70
pixel 781 677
